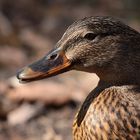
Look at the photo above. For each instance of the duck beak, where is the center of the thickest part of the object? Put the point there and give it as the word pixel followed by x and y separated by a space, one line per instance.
pixel 55 62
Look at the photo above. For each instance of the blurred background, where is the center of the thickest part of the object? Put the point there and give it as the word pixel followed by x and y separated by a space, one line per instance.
pixel 44 110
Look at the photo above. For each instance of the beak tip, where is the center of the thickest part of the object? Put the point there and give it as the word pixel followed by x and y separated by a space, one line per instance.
pixel 23 74
pixel 27 74
pixel 20 74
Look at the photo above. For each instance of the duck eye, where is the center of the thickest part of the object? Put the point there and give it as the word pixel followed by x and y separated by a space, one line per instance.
pixel 90 36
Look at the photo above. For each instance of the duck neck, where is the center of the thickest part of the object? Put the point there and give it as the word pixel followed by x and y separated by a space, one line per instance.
pixel 114 78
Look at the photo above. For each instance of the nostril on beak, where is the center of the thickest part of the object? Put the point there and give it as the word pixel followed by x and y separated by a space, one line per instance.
pixel 53 56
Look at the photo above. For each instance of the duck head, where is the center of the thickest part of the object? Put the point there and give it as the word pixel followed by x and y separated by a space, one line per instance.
pixel 102 45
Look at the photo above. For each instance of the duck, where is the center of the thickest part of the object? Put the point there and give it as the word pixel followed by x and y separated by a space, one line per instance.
pixel 111 49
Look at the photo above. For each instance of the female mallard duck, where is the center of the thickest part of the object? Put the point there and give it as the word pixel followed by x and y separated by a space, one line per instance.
pixel 110 49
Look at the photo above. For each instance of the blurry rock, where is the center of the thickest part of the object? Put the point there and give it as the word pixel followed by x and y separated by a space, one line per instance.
pixel 87 81
pixel 11 57
pixel 51 135
pixel 47 92
pixel 56 92
pixel 55 25
pixel 13 82
pixel 3 86
pixel 81 81
pixel 24 113
pixel 49 24
pixel 8 36
pixel 135 24
pixel 6 105
pixel 5 25
pixel 37 42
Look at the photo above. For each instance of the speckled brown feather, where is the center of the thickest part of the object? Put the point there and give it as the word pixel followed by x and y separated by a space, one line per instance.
pixel 112 114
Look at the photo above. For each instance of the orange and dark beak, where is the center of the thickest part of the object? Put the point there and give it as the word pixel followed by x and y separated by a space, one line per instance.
pixel 52 64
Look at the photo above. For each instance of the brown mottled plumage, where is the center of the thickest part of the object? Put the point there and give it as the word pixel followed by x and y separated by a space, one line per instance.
pixel 111 49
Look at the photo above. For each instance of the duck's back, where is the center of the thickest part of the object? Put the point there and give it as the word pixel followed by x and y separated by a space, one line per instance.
pixel 114 114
